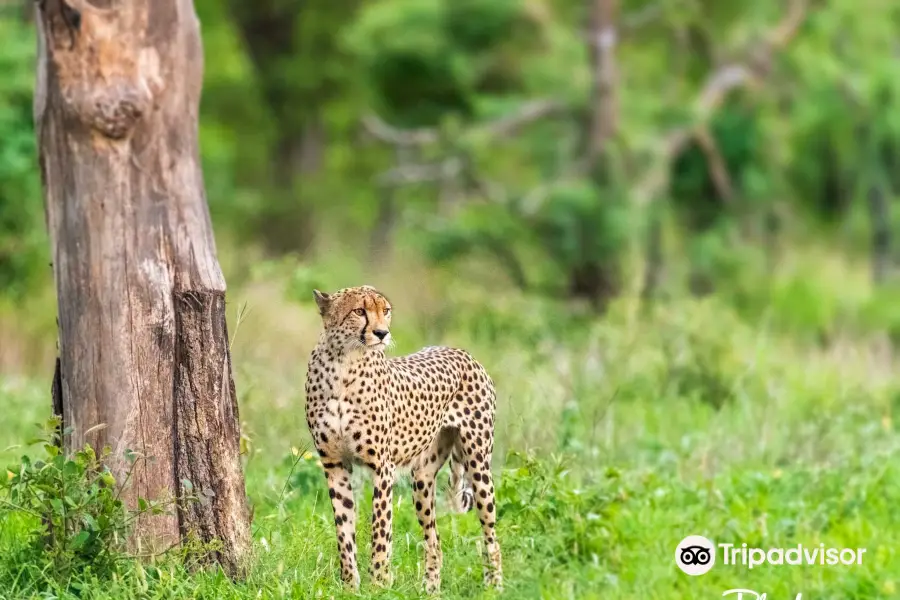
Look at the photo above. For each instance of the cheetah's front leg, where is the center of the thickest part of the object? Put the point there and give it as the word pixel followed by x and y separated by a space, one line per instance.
pixel 381 523
pixel 345 520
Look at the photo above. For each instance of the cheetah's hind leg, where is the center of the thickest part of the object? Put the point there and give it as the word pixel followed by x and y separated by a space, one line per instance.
pixel 424 489
pixel 477 448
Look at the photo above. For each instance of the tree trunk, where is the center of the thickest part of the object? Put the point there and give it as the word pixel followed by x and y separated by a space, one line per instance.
pixel 592 281
pixel 880 218
pixel 653 255
pixel 604 111
pixel 287 219
pixel 142 336
pixel 600 279
pixel 380 247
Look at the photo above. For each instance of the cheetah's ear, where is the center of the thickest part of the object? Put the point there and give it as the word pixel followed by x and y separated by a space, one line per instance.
pixel 322 301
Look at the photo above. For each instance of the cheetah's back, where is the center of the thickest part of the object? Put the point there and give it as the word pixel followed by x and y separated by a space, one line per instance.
pixel 434 389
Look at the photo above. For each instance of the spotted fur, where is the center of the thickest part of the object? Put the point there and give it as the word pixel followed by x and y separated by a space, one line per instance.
pixel 411 412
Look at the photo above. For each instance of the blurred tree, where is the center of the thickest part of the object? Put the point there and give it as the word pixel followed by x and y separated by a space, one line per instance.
pixel 144 358
pixel 23 249
pixel 427 60
pixel 584 210
pixel 715 126
pixel 708 165
pixel 476 54
pixel 300 68
pixel 844 122
pixel 596 275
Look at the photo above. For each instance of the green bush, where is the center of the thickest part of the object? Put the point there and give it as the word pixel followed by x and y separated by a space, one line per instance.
pixel 572 521
pixel 580 225
pixel 75 522
pixel 426 60
pixel 736 131
pixel 571 245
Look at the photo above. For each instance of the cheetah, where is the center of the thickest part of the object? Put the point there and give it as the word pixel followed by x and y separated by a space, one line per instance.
pixel 411 412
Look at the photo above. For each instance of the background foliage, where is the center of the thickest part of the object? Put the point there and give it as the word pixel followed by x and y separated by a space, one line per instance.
pixel 699 340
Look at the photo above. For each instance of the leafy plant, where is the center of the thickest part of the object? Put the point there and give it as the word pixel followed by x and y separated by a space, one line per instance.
pixel 77 521
pixel 573 520
pixel 306 471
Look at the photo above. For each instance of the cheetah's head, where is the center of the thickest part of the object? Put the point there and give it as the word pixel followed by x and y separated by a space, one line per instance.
pixel 357 318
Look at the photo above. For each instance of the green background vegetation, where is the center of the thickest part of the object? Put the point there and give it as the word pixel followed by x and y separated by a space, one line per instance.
pixel 749 396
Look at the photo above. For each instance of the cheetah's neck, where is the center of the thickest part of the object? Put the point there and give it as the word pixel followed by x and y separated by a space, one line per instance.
pixel 342 359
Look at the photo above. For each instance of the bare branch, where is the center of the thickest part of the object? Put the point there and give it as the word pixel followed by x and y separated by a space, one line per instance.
pixel 782 35
pixel 717 168
pixel 533 201
pixel 529 113
pixel 455 165
pixel 718 85
pixel 713 93
pixel 643 17
pixel 412 173
pixel 503 127
pixel 603 38
pixel 399 137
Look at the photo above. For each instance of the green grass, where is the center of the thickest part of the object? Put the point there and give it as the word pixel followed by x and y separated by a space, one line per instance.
pixel 616 438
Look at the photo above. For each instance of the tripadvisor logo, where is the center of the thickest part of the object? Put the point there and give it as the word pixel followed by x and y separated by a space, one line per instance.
pixel 797 555
pixel 696 555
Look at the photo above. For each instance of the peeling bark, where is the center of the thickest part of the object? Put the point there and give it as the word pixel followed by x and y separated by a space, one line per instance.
pixel 116 103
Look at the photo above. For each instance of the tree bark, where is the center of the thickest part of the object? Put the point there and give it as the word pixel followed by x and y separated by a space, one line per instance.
pixel 276 34
pixel 143 344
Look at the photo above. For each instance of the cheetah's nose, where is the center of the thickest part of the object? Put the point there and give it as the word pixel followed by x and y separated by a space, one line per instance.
pixel 381 333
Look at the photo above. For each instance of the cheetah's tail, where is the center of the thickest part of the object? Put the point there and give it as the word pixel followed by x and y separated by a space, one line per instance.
pixel 462 498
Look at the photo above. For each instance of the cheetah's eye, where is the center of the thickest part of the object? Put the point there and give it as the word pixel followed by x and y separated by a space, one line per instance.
pixel 387 311
pixel 360 311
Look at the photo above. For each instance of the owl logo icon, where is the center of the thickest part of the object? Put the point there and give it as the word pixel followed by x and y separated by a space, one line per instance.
pixel 695 555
